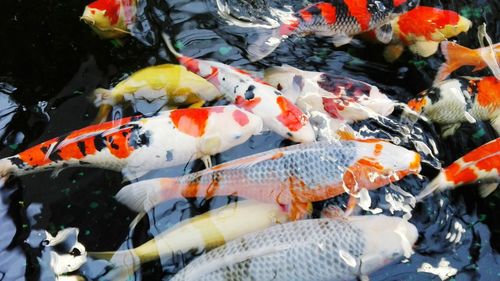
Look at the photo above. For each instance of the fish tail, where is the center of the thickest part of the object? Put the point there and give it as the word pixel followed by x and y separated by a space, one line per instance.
pixel 124 263
pixel 103 99
pixel 144 195
pixel 439 183
pixel 453 54
pixel 267 41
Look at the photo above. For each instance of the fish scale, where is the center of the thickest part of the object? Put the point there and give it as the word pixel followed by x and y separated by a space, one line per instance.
pixel 303 250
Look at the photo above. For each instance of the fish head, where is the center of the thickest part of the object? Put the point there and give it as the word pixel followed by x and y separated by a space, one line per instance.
pixel 231 126
pixel 292 123
pixel 103 16
pixel 386 239
pixel 402 6
pixel 383 162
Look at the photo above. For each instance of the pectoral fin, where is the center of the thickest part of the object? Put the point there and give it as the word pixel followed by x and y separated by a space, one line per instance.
pixel 424 48
pixel 392 52
pixel 487 189
pixel 340 39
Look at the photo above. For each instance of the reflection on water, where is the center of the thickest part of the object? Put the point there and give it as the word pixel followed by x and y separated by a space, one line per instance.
pixel 54 63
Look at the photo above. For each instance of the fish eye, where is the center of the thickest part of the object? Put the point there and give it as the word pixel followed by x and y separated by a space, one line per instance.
pixel 279 87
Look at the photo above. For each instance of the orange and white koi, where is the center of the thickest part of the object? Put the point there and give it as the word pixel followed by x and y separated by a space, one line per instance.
pixel 332 101
pixel 136 145
pixel 480 165
pixel 169 84
pixel 454 101
pixel 421 29
pixel 240 87
pixel 338 20
pixel 110 18
pixel 293 176
pixel 457 56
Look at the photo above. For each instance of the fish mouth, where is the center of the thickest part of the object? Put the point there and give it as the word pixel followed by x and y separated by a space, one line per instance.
pixel 88 20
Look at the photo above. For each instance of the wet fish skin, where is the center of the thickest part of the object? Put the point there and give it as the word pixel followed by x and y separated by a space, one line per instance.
pixel 110 18
pixel 337 19
pixel 136 145
pixel 460 100
pixel 171 83
pixel 293 176
pixel 205 231
pixel 479 165
pixel 250 93
pixel 318 249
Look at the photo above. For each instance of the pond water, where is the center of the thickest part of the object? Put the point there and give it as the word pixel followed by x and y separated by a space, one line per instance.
pixel 52 62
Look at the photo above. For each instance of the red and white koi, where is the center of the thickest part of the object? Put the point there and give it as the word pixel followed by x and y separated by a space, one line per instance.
pixel 422 28
pixel 454 101
pixel 332 101
pixel 110 18
pixel 293 176
pixel 480 165
pixel 240 87
pixel 136 145
pixel 339 20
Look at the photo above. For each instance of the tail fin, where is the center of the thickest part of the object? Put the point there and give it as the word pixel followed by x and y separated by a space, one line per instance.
pixel 266 43
pixel 452 53
pixel 488 53
pixel 104 100
pixel 144 195
pixel 125 263
pixel 439 183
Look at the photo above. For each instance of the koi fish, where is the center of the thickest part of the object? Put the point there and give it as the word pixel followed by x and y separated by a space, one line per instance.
pixel 457 56
pixel 110 18
pixel 481 164
pixel 332 101
pixel 460 100
pixel 205 231
pixel 172 84
pixel 240 87
pixel 317 249
pixel 136 145
pixel 340 20
pixel 421 29
pixel 292 176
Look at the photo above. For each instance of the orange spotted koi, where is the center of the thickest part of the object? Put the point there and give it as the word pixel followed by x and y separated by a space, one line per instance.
pixel 292 177
pixel 454 101
pixel 252 94
pixel 337 19
pixel 481 164
pixel 110 18
pixel 137 145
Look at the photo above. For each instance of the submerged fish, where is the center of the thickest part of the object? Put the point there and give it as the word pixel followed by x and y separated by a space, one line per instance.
pixel 457 56
pixel 480 165
pixel 278 113
pixel 454 101
pixel 172 84
pixel 332 101
pixel 205 231
pixel 137 145
pixel 292 176
pixel 110 18
pixel 422 28
pixel 319 249
pixel 338 19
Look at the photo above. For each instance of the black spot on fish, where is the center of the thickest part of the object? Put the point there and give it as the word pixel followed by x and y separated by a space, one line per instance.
pixel 55 157
pixel 99 143
pixel 223 78
pixel 434 94
pixel 170 155
pixel 289 134
pixel 44 149
pixel 17 162
pixel 298 81
pixel 138 139
pixel 279 87
pixel 83 163
pixel 112 143
pixel 249 93
pixel 277 93
pixel 235 88
pixel 81 147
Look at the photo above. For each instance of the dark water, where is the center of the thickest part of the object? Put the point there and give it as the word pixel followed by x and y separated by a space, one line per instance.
pixel 51 62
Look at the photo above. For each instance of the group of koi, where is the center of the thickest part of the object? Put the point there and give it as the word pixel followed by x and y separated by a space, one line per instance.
pixel 263 236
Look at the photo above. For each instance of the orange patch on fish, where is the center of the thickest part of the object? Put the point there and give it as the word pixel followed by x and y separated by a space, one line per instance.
pixel 99 127
pixel 37 155
pixel 328 12
pixel 490 163
pixel 191 121
pixel 489 92
pixel 247 104
pixel 483 151
pixel 429 20
pixel 378 149
pixel 290 116
pixel 117 143
pixel 417 104
pixel 359 10
pixel 306 15
pixel 111 8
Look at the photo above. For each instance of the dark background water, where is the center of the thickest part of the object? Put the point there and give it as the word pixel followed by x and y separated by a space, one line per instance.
pixel 51 62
